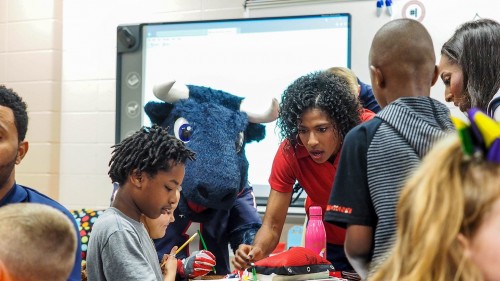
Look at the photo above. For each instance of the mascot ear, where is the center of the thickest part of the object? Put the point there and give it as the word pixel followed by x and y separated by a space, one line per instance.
pixel 255 132
pixel 158 111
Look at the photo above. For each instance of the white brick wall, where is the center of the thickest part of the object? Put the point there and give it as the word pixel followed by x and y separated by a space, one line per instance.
pixel 30 62
pixel 60 55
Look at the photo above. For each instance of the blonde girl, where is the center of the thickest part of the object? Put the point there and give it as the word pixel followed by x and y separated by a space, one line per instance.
pixel 446 218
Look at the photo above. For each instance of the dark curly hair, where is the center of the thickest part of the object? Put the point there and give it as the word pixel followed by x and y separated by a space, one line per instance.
pixel 324 90
pixel 151 149
pixel 12 100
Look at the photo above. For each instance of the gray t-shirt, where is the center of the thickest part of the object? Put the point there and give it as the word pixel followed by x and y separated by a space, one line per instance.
pixel 121 249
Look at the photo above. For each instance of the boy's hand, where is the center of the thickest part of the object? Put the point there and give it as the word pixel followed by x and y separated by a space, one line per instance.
pixel 199 263
pixel 169 264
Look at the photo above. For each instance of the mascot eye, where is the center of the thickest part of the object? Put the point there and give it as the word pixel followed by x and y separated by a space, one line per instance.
pixel 183 130
pixel 239 142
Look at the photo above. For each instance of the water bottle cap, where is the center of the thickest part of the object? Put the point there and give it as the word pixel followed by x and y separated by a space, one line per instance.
pixel 315 211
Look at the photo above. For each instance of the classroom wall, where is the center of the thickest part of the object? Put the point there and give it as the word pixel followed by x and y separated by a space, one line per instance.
pixel 441 18
pixel 30 62
pixel 60 56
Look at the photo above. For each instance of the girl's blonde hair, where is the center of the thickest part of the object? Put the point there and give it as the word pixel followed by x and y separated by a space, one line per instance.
pixel 348 75
pixel 448 195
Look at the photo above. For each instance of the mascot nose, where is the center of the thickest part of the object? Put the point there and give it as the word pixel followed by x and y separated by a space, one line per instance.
pixel 204 192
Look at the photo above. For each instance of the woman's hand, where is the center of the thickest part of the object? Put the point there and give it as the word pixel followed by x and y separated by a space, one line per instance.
pixel 245 255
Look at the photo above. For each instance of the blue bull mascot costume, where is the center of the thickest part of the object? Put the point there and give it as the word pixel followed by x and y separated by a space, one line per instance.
pixel 216 197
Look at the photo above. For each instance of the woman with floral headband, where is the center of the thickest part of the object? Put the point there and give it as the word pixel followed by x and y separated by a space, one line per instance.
pixel 449 211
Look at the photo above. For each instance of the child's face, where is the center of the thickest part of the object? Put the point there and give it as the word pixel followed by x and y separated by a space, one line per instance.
pixel 484 247
pixel 157 227
pixel 159 194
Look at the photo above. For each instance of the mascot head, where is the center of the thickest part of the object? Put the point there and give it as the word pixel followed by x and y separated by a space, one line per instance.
pixel 217 126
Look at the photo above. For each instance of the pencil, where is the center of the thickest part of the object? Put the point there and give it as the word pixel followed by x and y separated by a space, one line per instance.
pixel 185 243
pixel 205 247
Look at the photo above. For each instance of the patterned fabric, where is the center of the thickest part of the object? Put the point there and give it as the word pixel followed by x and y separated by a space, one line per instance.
pixel 411 127
pixel 85 218
pixel 349 275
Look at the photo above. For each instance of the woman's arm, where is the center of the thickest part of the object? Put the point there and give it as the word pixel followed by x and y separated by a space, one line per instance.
pixel 269 234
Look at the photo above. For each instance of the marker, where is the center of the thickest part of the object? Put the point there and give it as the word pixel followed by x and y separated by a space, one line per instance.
pixel 254 273
pixel 388 4
pixel 380 3
pixel 205 247
pixel 185 243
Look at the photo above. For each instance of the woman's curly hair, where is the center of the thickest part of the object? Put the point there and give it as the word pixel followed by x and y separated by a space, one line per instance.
pixel 323 90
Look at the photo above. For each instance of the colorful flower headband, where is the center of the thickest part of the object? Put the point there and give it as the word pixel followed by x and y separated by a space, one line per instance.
pixel 480 137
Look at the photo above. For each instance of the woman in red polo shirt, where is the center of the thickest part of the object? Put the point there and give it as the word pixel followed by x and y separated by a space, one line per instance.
pixel 316 112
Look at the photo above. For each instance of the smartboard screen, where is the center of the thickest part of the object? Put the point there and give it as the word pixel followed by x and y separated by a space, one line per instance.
pixel 255 58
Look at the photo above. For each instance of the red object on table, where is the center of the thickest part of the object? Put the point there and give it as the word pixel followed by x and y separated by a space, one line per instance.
pixel 279 248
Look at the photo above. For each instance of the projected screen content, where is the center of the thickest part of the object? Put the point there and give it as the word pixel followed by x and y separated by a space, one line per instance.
pixel 255 58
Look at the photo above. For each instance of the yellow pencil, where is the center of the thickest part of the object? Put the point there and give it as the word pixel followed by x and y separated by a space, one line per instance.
pixel 185 243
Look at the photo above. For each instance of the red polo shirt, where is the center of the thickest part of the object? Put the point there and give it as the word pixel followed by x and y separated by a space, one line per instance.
pixel 316 179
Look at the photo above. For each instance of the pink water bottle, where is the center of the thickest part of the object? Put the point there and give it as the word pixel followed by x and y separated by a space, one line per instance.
pixel 315 239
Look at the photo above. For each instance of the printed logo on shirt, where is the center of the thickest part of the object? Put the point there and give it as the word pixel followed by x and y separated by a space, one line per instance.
pixel 339 209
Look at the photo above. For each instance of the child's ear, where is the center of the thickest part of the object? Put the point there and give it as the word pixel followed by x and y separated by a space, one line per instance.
pixel 436 75
pixel 377 77
pixel 135 178
pixel 465 243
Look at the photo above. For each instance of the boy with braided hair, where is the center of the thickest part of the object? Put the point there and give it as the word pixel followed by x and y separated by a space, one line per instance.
pixel 149 166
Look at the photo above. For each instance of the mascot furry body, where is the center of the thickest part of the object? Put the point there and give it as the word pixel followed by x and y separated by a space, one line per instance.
pixel 216 195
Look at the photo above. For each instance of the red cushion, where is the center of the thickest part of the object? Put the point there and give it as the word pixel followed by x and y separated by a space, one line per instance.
pixel 296 260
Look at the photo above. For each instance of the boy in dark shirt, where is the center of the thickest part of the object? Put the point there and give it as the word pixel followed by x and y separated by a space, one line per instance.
pixel 378 155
